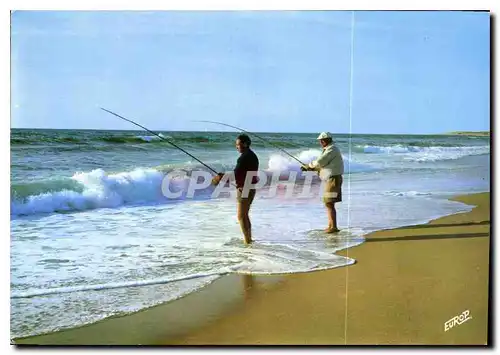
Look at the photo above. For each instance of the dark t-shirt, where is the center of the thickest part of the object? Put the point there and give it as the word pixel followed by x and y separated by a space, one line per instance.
pixel 247 161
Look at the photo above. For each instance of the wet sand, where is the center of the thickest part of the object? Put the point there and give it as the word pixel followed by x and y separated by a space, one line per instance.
pixel 405 285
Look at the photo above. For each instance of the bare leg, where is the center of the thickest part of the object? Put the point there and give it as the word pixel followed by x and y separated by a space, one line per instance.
pixel 243 207
pixel 251 197
pixel 332 218
pixel 329 207
pixel 249 228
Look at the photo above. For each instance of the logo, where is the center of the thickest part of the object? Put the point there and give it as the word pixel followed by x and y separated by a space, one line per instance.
pixel 457 320
pixel 181 184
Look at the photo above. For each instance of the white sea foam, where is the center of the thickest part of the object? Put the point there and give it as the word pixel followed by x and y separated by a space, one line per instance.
pixel 281 163
pixel 431 153
pixel 98 189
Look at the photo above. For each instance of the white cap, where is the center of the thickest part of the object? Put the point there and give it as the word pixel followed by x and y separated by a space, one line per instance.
pixel 324 135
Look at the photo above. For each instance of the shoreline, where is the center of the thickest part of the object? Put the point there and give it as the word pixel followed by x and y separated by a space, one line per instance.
pixel 470 133
pixel 246 309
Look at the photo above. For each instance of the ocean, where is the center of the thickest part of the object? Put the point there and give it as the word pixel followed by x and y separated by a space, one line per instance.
pixel 92 235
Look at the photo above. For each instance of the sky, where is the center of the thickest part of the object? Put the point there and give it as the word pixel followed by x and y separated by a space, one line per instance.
pixel 284 71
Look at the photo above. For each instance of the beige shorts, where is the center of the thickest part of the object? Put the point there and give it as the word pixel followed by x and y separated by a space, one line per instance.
pixel 333 185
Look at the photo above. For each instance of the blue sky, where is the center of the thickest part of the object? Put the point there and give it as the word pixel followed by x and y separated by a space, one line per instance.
pixel 413 72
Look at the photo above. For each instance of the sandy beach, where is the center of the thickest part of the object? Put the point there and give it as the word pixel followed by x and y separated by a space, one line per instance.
pixel 405 285
pixel 470 134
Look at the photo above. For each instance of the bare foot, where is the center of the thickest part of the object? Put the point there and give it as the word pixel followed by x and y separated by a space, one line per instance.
pixel 331 230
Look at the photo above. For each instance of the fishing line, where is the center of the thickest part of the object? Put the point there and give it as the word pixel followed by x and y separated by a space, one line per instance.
pixel 162 138
pixel 256 135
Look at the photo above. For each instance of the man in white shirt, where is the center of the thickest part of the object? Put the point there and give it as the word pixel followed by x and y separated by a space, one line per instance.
pixel 331 168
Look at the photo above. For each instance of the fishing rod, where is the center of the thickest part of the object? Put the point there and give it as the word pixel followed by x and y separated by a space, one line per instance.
pixel 162 138
pixel 255 134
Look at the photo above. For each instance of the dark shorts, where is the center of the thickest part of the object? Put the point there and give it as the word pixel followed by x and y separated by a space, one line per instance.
pixel 251 195
pixel 333 186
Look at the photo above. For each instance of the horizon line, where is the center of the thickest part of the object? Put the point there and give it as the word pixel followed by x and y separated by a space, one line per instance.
pixel 236 131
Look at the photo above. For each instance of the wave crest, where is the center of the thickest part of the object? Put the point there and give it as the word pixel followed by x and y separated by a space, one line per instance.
pixel 429 153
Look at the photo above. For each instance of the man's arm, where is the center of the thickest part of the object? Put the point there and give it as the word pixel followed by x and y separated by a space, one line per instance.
pixel 238 167
pixel 240 171
pixel 322 161
pixel 217 178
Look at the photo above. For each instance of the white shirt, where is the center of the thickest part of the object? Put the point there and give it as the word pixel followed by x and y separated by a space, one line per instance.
pixel 329 163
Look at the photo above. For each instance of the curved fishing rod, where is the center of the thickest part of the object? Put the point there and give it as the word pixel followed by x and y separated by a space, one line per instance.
pixel 162 138
pixel 255 134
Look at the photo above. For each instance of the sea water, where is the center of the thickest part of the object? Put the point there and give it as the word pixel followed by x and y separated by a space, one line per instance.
pixel 92 235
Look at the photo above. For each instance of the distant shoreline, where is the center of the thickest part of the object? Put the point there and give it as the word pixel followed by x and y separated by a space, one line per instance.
pixel 469 133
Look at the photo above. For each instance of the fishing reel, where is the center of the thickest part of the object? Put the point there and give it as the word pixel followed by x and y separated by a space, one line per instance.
pixel 217 178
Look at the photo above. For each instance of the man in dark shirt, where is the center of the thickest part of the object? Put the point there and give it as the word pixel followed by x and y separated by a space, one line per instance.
pixel 247 162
